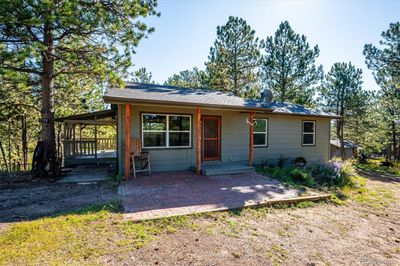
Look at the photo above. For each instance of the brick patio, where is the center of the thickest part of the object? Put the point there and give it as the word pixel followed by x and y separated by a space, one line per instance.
pixel 181 193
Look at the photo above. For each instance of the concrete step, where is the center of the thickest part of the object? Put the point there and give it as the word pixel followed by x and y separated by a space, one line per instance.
pixel 225 169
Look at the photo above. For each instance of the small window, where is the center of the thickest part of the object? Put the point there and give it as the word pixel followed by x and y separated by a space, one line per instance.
pixel 166 131
pixel 260 132
pixel 308 134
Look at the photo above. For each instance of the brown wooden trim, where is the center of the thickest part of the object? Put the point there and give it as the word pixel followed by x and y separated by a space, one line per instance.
pixel 198 141
pixel 251 142
pixel 127 141
pixel 219 138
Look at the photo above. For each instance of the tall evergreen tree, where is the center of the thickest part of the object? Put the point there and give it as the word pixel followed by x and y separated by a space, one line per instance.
pixel 387 59
pixel 389 110
pixel 194 78
pixel 288 67
pixel 385 64
pixel 50 39
pixel 143 76
pixel 234 58
pixel 342 94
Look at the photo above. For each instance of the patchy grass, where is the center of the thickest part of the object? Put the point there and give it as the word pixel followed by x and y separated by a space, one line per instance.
pixel 374 166
pixel 352 188
pixel 90 235
pixel 93 235
pixel 82 237
pixel 374 197
pixel 278 254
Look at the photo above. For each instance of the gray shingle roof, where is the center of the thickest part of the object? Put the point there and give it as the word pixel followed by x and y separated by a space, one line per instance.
pixel 297 109
pixel 152 93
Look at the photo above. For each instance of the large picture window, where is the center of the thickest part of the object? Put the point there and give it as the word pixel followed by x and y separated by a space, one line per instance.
pixel 308 134
pixel 260 134
pixel 166 131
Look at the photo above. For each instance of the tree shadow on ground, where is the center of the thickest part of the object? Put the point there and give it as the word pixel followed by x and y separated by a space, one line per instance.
pixel 376 176
pixel 31 201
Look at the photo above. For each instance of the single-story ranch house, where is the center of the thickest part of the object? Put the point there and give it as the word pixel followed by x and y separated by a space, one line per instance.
pixel 185 128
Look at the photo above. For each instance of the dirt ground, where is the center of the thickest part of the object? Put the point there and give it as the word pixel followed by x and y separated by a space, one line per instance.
pixel 354 234
pixel 325 234
pixel 27 201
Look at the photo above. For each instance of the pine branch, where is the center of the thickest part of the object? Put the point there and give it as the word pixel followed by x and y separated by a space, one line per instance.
pixel 24 70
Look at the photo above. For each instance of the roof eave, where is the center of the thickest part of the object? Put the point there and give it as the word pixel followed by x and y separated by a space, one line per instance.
pixel 123 100
pixel 106 113
pixel 308 115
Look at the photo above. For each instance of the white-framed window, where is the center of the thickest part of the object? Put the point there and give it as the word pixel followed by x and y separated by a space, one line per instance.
pixel 260 135
pixel 308 134
pixel 166 131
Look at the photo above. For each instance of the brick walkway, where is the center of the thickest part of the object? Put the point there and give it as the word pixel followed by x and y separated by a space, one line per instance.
pixel 181 193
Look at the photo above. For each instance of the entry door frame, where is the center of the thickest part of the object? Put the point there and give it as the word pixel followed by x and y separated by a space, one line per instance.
pixel 203 139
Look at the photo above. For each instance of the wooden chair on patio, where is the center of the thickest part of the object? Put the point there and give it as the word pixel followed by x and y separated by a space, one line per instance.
pixel 140 159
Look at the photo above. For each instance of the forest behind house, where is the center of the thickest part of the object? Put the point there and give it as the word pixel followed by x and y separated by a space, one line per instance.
pixel 57 60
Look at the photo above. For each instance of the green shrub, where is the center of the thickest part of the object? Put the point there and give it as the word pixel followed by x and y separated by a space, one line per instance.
pixel 332 174
pixel 298 174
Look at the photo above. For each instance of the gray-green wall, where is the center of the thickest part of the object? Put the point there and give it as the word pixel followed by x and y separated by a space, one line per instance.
pixel 284 138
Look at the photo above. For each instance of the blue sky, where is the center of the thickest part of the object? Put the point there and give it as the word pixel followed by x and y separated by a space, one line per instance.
pixel 186 30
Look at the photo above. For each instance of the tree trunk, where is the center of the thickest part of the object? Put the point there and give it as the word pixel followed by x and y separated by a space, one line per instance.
pixel 339 136
pixel 394 141
pixel 24 142
pixel 342 150
pixel 47 83
pixel 4 156
pixel 9 145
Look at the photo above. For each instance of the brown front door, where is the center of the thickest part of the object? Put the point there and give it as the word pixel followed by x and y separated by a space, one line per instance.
pixel 211 132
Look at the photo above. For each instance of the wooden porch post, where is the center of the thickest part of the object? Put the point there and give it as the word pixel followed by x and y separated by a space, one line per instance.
pixel 251 142
pixel 64 139
pixel 127 140
pixel 198 146
pixel 95 139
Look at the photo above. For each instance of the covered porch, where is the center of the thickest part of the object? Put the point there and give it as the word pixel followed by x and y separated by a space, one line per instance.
pixel 89 138
pixel 206 150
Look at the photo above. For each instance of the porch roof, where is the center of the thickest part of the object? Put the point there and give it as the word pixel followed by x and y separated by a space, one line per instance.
pixel 171 95
pixel 106 116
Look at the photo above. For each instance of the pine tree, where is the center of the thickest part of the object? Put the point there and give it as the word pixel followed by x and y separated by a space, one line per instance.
pixel 385 64
pixel 143 76
pixel 389 110
pixel 194 78
pixel 234 58
pixel 288 67
pixel 387 59
pixel 342 94
pixel 51 39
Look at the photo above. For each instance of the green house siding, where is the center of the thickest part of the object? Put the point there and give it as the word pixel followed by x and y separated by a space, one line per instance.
pixel 284 138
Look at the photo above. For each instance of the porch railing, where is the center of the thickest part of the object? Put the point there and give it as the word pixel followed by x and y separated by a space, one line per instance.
pixel 103 143
pixel 87 146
